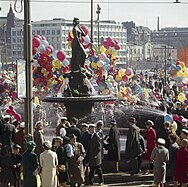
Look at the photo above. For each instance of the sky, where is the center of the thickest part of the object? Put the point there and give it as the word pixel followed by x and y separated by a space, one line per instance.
pixel 143 14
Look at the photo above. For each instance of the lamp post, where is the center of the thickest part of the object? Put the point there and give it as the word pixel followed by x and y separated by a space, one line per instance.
pixel 98 26
pixel 28 59
pixel 164 65
pixel 91 21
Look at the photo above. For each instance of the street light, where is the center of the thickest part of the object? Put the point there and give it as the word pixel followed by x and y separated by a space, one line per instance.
pixel 164 65
pixel 98 12
pixel 92 21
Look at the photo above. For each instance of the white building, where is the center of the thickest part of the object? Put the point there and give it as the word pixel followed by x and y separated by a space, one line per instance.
pixel 56 31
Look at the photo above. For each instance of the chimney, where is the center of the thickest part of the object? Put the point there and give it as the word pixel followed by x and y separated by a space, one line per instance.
pixel 158 24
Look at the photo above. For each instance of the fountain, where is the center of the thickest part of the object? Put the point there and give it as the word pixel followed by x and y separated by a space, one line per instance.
pixel 76 93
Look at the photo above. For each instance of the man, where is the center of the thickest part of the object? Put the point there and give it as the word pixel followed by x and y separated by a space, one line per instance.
pixel 30 166
pixel 48 162
pixel 94 156
pixel 7 131
pixel 61 125
pixel 132 146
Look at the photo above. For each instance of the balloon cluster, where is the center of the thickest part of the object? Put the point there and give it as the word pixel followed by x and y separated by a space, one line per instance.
pixel 11 111
pixel 85 40
pixel 49 66
pixel 7 87
pixel 179 72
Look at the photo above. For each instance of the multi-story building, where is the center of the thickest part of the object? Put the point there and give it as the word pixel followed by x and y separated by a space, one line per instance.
pixel 56 32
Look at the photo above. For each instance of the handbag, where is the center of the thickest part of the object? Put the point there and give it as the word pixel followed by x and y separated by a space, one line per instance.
pixel 61 168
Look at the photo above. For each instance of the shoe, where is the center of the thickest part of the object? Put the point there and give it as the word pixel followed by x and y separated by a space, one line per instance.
pixel 101 184
pixel 146 172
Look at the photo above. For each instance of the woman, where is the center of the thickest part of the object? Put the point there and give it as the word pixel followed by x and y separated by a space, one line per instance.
pixel 182 164
pixel 75 162
pixel 48 162
pixel 151 143
pixel 63 177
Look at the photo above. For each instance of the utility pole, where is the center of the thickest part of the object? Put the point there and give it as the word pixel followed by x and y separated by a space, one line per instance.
pixel 91 21
pixel 165 65
pixel 28 59
pixel 98 26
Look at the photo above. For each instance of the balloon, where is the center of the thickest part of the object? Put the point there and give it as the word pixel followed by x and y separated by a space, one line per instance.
pixel 34 106
pixel 85 29
pixel 181 97
pixel 43 37
pixel 117 47
pixel 94 65
pixel 100 63
pixel 102 49
pixel 36 42
pixel 45 43
pixel 174 127
pixel 86 40
pixel 61 55
pixel 178 68
pixel 38 36
pixel 65 63
pixel 8 111
pixel 36 100
pixel 14 95
pixel 11 107
pixel 41 49
pixel 102 56
pixel 18 117
pixel 168 118
pixel 121 72
pixel 180 73
pixel 128 71
pixel 125 78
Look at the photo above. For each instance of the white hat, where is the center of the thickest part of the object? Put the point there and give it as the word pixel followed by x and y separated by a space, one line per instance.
pixel 185 131
pixel 59 138
pixel 62 132
pixel 6 117
pixel 92 125
pixel 37 124
pixel 14 120
pixel 22 125
pixel 63 118
pixel 184 120
pixel 85 125
pixel 161 141
pixel 48 144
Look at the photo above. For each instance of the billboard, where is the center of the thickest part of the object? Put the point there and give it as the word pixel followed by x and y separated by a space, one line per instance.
pixel 21 78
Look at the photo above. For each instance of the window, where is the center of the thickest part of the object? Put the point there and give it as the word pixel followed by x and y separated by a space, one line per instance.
pixel 38 32
pixel 43 32
pixel 48 32
pixel 58 31
pixel 14 33
pixel 53 32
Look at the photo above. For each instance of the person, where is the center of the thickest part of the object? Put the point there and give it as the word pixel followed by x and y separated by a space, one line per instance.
pixel 7 131
pixel 39 138
pixel 94 156
pixel 171 164
pixel 75 162
pixel 6 165
pixel 17 163
pixel 61 125
pixel 48 163
pixel 63 176
pixel 74 129
pixel 159 156
pixel 183 135
pixel 20 137
pixel 133 145
pixel 181 173
pixel 30 165
pixel 114 141
pixel 151 143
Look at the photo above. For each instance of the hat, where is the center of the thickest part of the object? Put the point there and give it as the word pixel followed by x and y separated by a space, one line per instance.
pixel 113 122
pixel 161 141
pixel 63 118
pixel 22 125
pixel 48 144
pixel 85 125
pixel 58 138
pixel 16 146
pixel 72 136
pixel 37 124
pixel 92 125
pixel 6 117
pixel 185 131
pixel 31 145
pixel 132 120
pixel 149 122
pixel 14 120
pixel 184 120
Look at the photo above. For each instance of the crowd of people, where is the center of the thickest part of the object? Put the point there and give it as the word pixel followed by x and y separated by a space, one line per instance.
pixel 76 153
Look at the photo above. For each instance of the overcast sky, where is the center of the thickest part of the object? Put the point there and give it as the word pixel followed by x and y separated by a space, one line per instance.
pixel 143 14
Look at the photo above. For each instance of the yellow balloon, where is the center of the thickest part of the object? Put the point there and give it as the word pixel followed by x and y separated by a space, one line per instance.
pixel 36 100
pixel 174 127
pixel 69 43
pixel 120 95
pixel 102 49
pixel 181 97
pixel 121 72
pixel 185 74
pixel 118 78
pixel 180 73
pixel 94 65
pixel 71 34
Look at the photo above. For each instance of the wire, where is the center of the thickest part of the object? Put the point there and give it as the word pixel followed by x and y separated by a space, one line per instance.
pixel 20 2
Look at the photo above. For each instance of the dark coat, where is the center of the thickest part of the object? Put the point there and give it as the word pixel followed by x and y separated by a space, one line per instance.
pixel 62 160
pixel 30 165
pixel 164 133
pixel 132 143
pixel 182 165
pixel 94 151
pixel 7 133
pixel 114 141
pixel 171 164
pixel 17 162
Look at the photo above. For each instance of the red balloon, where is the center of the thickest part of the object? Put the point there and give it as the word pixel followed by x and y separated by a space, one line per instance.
pixel 43 37
pixel 125 78
pixel 18 117
pixel 11 107
pixel 8 111
pixel 85 29
pixel 36 42
pixel 51 48
pixel 38 36
pixel 117 47
pixel 61 55
pixel 128 71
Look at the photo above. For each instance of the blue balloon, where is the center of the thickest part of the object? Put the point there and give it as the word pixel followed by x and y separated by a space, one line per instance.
pixel 168 118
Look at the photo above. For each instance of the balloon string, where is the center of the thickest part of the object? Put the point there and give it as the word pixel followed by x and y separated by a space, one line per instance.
pixel 20 2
